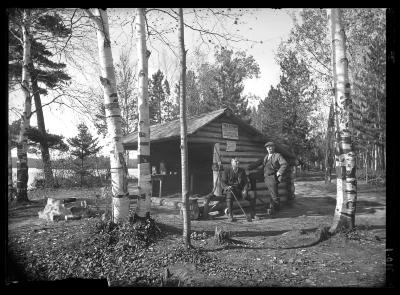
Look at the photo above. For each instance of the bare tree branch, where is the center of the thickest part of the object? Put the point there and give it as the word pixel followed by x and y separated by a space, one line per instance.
pixel 46 104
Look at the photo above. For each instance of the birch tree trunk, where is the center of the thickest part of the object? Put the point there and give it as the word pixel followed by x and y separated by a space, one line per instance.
pixel 44 147
pixel 339 168
pixel 329 130
pixel 120 201
pixel 143 155
pixel 384 156
pixel 366 164
pixel 22 145
pixel 126 127
pixel 344 216
pixel 10 179
pixel 182 115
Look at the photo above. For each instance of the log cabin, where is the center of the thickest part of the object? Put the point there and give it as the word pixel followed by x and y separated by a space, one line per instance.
pixel 213 139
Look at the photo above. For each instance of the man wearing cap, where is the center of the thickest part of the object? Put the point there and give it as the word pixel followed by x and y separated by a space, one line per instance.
pixel 274 167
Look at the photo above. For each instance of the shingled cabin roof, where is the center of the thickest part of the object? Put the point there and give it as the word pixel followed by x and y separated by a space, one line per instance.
pixel 171 130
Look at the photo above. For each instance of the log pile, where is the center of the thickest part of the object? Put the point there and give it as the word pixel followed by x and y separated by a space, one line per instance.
pixel 174 203
pixel 194 210
pixel 65 209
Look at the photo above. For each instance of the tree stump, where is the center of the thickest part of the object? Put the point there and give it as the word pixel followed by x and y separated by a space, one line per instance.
pixel 220 236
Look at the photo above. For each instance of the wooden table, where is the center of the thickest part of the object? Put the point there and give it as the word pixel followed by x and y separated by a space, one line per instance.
pixel 162 179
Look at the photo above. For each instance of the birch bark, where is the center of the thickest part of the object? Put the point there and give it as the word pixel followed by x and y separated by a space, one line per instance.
pixel 143 155
pixel 344 216
pixel 22 145
pixel 120 200
pixel 182 115
pixel 10 179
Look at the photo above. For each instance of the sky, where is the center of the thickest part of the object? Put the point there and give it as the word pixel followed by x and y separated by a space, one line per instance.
pixel 270 26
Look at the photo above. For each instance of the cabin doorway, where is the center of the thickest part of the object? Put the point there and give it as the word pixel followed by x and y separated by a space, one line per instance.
pixel 200 168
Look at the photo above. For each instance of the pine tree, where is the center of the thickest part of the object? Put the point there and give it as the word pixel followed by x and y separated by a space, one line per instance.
pixel 298 98
pixel 283 114
pixel 157 97
pixel 206 84
pixel 46 26
pixel 82 146
pixel 230 72
pixel 193 102
pixel 169 108
pixel 269 117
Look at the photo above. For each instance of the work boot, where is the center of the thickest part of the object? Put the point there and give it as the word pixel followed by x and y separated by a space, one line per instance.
pixel 275 206
pixel 253 214
pixel 207 217
pixel 205 212
pixel 228 210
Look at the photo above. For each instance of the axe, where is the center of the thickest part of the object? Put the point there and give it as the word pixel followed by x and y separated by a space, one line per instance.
pixel 246 216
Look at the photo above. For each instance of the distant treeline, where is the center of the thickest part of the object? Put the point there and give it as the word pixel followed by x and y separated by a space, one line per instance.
pixel 103 162
pixel 32 163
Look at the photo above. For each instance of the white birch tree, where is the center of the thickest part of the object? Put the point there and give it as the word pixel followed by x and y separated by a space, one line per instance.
pixel 332 117
pixel 9 158
pixel 22 144
pixel 183 127
pixel 344 216
pixel 143 155
pixel 120 200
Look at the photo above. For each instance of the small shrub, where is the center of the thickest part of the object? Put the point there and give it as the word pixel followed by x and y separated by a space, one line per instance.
pixel 128 235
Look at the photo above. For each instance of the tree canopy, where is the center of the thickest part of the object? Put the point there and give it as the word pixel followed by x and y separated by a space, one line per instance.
pixel 47 27
pixel 284 113
pixel 83 145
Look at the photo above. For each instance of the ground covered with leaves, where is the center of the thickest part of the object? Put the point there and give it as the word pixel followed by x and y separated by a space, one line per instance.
pixel 284 250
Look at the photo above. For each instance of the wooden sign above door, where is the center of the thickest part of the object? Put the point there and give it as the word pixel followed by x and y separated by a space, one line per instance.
pixel 230 131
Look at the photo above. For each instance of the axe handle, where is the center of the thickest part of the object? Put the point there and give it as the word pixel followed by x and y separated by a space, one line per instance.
pixel 239 204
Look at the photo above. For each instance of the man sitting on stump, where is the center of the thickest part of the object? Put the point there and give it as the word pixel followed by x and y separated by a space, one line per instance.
pixel 234 181
pixel 274 167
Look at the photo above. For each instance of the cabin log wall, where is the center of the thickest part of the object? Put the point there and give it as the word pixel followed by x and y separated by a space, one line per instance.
pixel 249 148
pixel 247 151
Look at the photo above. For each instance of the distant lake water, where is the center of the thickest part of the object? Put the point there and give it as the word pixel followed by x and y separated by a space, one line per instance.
pixel 38 173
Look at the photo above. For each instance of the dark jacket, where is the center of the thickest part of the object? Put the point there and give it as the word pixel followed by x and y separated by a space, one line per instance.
pixel 277 163
pixel 237 180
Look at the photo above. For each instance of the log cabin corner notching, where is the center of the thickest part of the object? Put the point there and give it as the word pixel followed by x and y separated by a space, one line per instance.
pixel 216 136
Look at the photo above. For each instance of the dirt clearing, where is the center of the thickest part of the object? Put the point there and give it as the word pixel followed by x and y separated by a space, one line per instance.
pixel 274 251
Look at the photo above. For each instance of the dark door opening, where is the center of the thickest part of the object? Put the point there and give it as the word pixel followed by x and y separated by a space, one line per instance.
pixel 200 168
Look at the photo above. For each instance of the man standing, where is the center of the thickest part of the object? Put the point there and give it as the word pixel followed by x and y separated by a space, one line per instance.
pixel 274 167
